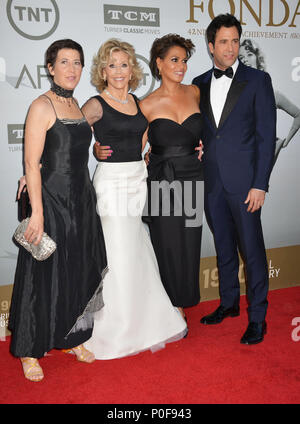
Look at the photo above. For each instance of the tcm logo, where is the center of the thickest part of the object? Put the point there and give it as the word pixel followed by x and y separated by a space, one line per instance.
pixel 131 15
pixel 31 19
pixel 15 133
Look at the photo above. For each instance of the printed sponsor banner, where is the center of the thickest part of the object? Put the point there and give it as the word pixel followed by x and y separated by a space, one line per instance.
pixel 271 33
pixel 283 264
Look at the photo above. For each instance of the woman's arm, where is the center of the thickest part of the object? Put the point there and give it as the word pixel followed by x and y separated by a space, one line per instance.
pixel 37 124
pixel 93 112
pixel 144 139
pixel 282 102
pixel 145 106
pixel 196 93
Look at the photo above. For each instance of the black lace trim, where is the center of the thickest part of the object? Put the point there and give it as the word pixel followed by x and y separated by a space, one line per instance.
pixel 62 92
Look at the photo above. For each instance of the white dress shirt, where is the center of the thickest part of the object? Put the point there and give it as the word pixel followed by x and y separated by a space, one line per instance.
pixel 218 92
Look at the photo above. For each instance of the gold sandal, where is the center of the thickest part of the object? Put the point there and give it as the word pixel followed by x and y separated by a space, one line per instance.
pixel 32 369
pixel 82 354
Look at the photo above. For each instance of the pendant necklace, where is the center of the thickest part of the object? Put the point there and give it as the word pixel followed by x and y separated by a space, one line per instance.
pixel 62 95
pixel 123 102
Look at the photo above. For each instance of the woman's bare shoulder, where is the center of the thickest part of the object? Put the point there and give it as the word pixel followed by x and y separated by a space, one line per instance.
pixel 193 89
pixel 92 110
pixel 41 107
pixel 151 99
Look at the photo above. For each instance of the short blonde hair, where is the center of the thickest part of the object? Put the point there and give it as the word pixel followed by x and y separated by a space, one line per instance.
pixel 100 61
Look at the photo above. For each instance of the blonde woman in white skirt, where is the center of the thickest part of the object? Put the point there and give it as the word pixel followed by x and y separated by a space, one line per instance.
pixel 138 314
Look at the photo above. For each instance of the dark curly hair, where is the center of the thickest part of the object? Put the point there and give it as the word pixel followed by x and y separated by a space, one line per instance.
pixel 161 46
pixel 219 21
pixel 53 49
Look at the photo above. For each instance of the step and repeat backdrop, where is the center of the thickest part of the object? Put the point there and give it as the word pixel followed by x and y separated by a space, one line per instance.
pixel 271 31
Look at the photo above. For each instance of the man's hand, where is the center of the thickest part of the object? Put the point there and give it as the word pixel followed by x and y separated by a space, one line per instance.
pixel 102 152
pixel 256 199
pixel 200 150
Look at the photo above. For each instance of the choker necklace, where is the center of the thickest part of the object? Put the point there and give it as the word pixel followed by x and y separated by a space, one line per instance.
pixel 62 95
pixel 123 102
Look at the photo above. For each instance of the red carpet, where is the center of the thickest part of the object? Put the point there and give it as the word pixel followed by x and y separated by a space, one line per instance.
pixel 210 366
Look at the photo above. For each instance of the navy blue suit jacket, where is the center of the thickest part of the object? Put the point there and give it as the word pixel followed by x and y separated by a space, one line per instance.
pixel 241 149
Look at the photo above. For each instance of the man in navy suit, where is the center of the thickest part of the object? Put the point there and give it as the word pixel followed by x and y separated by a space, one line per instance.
pixel 239 115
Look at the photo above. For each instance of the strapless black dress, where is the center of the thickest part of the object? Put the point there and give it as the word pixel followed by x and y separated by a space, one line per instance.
pixel 175 231
pixel 53 301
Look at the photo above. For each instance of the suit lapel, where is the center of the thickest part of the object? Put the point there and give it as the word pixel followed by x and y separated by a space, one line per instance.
pixel 237 86
pixel 205 100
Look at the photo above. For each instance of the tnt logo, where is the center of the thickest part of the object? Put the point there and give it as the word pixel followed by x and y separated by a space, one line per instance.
pixel 15 133
pixel 31 19
pixel 148 82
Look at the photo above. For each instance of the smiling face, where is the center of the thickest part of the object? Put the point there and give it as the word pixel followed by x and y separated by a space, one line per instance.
pixel 226 48
pixel 118 70
pixel 67 68
pixel 174 65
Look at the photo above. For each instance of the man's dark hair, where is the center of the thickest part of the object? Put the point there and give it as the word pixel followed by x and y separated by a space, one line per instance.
pixel 219 21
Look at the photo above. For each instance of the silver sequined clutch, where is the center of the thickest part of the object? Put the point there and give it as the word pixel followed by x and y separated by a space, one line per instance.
pixel 40 252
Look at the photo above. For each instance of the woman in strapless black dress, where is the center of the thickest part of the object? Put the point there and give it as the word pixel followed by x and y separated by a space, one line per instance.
pixel 54 300
pixel 174 133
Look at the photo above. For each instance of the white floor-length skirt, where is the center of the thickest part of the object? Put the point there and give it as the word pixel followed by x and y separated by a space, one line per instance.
pixel 137 313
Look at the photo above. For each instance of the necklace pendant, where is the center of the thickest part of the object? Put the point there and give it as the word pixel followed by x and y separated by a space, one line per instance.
pixel 64 100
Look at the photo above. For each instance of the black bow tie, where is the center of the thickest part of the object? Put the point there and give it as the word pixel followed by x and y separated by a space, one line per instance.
pixel 228 72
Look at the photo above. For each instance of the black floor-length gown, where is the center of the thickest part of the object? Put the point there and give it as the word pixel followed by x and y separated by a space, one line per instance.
pixel 53 300
pixel 176 239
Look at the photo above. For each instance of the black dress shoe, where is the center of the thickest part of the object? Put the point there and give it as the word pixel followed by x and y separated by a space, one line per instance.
pixel 254 333
pixel 219 314
pixel 187 328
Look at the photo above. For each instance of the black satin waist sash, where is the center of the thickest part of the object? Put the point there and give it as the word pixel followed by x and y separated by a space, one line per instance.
pixel 161 166
pixel 172 151
pixel 64 170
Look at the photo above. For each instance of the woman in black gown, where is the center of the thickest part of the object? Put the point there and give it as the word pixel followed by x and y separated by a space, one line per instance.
pixel 53 301
pixel 174 133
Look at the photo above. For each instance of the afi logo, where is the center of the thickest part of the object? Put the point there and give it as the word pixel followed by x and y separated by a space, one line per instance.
pixel 31 19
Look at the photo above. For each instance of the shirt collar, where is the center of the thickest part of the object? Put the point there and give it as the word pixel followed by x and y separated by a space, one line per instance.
pixel 234 66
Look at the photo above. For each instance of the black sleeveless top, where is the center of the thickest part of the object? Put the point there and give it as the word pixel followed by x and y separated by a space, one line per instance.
pixel 67 144
pixel 122 132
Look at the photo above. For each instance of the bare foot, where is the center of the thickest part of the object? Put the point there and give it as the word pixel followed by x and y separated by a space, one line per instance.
pixel 182 313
